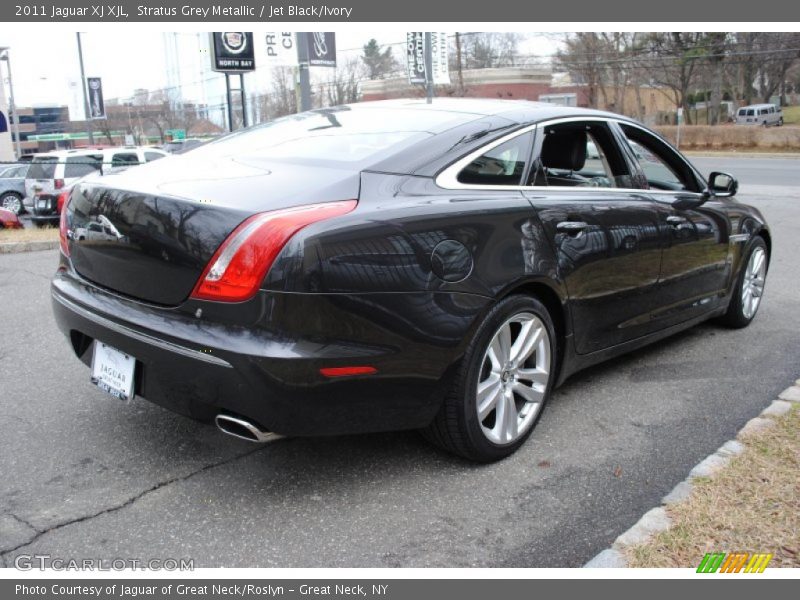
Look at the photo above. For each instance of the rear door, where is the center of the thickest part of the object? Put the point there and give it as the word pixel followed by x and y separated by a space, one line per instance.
pixel 605 233
pixel 695 268
pixel 41 175
pixel 77 167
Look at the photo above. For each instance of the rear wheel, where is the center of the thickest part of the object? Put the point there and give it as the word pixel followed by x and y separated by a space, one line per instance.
pixel 502 385
pixel 749 286
pixel 11 201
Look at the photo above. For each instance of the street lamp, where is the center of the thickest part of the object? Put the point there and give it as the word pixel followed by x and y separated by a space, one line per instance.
pixel 12 108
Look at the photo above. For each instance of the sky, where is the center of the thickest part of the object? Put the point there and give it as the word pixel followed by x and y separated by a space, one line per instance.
pixel 128 58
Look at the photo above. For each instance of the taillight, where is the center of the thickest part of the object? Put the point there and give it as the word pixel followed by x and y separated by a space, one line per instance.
pixel 240 264
pixel 62 224
pixel 59 183
pixel 62 200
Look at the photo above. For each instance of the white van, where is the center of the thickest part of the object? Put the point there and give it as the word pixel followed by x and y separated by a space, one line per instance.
pixel 759 114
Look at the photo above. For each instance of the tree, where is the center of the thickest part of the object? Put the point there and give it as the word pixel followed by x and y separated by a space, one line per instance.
pixel 673 60
pixel 489 50
pixel 342 86
pixel 379 63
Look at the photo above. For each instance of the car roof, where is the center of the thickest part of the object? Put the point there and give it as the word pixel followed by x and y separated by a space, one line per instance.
pixel 519 111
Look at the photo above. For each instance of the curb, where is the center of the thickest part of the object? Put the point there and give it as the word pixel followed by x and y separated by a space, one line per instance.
pixel 656 520
pixel 16 247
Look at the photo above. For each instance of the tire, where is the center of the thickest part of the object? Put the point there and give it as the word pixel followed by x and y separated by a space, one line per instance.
pixel 518 390
pixel 12 201
pixel 747 294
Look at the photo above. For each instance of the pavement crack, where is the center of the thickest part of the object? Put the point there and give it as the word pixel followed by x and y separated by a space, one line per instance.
pixel 128 502
pixel 24 522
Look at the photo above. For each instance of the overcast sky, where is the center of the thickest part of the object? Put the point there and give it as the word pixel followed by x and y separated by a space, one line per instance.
pixel 43 59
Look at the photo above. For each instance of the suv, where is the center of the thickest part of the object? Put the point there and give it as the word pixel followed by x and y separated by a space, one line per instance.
pixel 44 197
pixel 759 114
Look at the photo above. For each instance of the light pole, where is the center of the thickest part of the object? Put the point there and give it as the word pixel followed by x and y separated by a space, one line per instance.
pixel 12 109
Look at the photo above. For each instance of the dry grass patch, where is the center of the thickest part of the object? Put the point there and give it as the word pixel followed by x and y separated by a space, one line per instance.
pixel 735 137
pixel 752 505
pixel 45 234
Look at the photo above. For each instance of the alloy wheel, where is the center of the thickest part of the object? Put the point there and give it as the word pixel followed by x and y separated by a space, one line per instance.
pixel 753 283
pixel 513 378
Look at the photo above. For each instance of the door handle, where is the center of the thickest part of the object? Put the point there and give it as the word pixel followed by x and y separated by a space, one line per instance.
pixel 675 220
pixel 571 227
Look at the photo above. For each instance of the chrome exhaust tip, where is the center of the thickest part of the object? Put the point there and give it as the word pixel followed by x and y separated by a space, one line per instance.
pixel 244 430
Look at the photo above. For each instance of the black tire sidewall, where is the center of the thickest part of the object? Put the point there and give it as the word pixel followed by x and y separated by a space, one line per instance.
pixel 735 316
pixel 486 450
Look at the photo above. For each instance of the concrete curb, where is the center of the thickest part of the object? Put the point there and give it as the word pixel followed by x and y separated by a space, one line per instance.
pixel 15 247
pixel 657 519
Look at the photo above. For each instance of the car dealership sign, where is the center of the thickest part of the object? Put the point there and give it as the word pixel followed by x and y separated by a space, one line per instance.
pixel 233 52
pixel 321 48
pixel 415 57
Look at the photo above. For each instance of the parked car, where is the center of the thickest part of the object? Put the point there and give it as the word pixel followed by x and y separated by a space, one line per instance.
pixel 9 220
pixel 399 265
pixel 53 173
pixel 12 187
pixel 759 114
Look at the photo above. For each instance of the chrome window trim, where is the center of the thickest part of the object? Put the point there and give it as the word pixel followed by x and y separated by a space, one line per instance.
pixel 448 178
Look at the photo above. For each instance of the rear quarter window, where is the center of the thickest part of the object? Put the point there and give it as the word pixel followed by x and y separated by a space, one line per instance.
pixel 79 166
pixel 43 168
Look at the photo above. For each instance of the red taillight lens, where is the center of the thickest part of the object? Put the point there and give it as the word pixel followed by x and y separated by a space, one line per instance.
pixel 240 264
pixel 62 200
pixel 59 183
pixel 62 224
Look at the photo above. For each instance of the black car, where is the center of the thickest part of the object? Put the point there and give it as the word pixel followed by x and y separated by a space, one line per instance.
pixel 398 265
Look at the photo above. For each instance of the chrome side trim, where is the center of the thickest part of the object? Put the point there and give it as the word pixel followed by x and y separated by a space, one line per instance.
pixel 738 238
pixel 448 178
pixel 141 337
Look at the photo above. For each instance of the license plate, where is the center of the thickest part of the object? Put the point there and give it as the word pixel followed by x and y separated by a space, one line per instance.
pixel 41 204
pixel 112 371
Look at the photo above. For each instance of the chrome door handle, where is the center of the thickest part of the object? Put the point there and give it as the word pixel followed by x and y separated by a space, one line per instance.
pixel 675 220
pixel 571 227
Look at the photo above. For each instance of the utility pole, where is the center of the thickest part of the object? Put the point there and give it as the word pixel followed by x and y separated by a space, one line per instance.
pixel 303 73
pixel 12 109
pixel 85 93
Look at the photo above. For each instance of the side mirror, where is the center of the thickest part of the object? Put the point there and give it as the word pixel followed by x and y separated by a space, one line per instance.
pixel 722 185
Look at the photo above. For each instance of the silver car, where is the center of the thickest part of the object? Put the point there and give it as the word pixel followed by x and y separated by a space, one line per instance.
pixel 12 187
pixel 759 114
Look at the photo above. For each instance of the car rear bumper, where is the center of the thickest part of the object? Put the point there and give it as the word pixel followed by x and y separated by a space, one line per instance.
pixel 269 370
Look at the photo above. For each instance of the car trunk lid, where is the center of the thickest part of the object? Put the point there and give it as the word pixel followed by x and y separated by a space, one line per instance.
pixel 149 232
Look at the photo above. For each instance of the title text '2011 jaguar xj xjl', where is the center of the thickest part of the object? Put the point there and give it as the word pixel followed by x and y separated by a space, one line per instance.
pixel 398 265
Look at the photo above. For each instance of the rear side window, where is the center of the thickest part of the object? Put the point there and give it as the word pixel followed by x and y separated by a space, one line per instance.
pixel 151 156
pixel 502 165
pixel 79 166
pixel 751 112
pixel 124 159
pixel 43 168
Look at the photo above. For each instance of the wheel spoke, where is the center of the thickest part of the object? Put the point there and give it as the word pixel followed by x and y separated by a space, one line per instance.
pixel 507 418
pixel 529 336
pixel 528 393
pixel 537 376
pixel 488 393
pixel 756 262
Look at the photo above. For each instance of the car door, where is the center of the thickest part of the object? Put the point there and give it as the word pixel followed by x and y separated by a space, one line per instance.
pixel 605 233
pixel 696 265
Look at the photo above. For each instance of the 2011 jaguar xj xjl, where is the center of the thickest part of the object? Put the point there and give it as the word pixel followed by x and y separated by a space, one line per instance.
pixel 398 265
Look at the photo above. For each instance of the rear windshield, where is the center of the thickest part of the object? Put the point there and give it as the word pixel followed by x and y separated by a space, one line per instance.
pixel 337 136
pixel 43 168
pixel 78 166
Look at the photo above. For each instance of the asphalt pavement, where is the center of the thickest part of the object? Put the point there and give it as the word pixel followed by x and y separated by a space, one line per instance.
pixel 83 475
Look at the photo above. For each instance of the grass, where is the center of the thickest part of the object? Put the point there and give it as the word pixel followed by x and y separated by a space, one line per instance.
pixel 751 505
pixel 45 234
pixel 791 115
